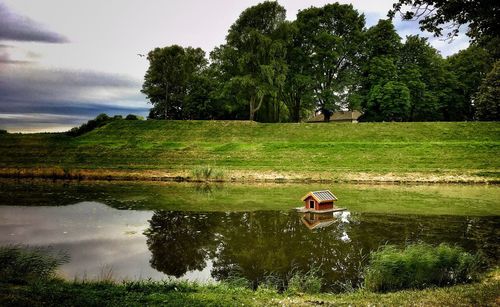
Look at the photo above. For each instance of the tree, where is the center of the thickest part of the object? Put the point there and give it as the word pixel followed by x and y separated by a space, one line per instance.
pixel 422 70
pixel 166 83
pixel 329 39
pixel 253 58
pixel 392 99
pixel 380 56
pixel 436 16
pixel 297 92
pixel 468 68
pixel 488 96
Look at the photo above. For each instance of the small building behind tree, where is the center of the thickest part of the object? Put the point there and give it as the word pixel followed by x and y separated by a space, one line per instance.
pixel 339 116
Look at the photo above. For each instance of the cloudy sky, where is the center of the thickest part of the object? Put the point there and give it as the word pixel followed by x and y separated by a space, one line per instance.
pixel 63 62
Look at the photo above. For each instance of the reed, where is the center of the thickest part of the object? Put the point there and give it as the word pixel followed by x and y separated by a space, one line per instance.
pixel 419 266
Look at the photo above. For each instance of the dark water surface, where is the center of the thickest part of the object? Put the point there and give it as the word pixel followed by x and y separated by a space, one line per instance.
pixel 127 244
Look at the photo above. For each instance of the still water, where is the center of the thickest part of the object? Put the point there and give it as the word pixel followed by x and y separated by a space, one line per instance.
pixel 104 241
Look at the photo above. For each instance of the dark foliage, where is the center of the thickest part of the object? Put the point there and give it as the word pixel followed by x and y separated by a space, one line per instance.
pixel 21 265
pixel 99 121
pixel 274 70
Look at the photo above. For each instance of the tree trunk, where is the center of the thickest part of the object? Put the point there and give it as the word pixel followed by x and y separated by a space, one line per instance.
pixel 166 100
pixel 254 108
pixel 296 111
pixel 252 102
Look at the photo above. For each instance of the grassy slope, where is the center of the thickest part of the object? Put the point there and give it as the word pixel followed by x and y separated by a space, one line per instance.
pixel 185 294
pixel 303 150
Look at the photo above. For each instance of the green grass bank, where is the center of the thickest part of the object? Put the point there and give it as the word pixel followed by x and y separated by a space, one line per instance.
pixel 62 293
pixel 249 151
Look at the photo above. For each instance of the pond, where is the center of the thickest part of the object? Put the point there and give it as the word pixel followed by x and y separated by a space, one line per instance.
pixel 108 230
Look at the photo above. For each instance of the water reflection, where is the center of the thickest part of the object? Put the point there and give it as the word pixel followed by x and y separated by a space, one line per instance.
pixel 216 245
pixel 257 244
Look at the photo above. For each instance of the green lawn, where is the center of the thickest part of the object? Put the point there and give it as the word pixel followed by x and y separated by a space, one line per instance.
pixel 60 293
pixel 327 151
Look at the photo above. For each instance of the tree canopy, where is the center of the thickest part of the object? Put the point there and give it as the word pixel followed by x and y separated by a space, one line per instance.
pixel 273 70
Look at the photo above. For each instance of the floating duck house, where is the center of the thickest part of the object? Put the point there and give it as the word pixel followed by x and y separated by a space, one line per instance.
pixel 319 202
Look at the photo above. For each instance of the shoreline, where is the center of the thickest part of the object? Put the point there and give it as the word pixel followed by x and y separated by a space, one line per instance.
pixel 57 173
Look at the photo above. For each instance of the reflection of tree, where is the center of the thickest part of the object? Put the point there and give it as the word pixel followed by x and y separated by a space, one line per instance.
pixel 179 242
pixel 207 188
pixel 259 244
pixel 255 245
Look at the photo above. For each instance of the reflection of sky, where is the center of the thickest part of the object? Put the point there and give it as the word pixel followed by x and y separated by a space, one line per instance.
pixel 98 239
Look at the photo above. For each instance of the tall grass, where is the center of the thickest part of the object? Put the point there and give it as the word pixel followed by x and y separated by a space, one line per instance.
pixel 309 282
pixel 21 265
pixel 206 173
pixel 419 266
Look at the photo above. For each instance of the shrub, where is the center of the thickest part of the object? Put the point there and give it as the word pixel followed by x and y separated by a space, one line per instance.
pixel 418 266
pixel 99 121
pixel 309 282
pixel 21 265
pixel 133 117
pixel 206 173
pixel 2 131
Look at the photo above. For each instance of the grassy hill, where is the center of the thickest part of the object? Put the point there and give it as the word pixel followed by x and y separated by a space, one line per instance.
pixel 249 150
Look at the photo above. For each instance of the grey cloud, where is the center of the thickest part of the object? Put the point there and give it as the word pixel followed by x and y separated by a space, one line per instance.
pixel 5 59
pixel 33 98
pixel 19 28
pixel 25 83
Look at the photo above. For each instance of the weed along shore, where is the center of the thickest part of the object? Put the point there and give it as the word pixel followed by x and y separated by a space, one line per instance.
pixel 29 278
pixel 242 151
pixel 239 176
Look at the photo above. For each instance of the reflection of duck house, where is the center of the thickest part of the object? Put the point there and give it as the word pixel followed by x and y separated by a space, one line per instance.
pixel 316 221
pixel 319 202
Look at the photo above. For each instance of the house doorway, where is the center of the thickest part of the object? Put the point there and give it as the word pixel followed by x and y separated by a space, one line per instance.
pixel 311 204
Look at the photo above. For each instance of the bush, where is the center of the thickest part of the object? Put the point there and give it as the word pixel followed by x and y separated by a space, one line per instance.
pixel 21 265
pixel 99 121
pixel 133 117
pixel 2 131
pixel 207 173
pixel 309 282
pixel 419 266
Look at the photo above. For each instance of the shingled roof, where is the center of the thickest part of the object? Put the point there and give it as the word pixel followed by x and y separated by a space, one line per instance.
pixel 321 196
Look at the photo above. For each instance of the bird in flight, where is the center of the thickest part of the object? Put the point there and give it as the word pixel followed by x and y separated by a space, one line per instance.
pixel 141 55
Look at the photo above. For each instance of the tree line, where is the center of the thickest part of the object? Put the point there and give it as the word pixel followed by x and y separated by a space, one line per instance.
pixel 273 70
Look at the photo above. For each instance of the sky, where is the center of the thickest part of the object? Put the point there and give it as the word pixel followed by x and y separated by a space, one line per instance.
pixel 63 62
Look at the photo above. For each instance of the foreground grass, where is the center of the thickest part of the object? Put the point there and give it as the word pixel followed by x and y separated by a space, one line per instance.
pixel 57 292
pixel 246 150
pixel 461 200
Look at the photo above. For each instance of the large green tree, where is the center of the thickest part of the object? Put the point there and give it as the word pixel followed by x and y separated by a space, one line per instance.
pixel 252 61
pixel 488 96
pixel 171 72
pixel 422 69
pixel 438 16
pixel 297 93
pixel 392 99
pixel 380 56
pixel 328 42
pixel 467 70
pixel 447 17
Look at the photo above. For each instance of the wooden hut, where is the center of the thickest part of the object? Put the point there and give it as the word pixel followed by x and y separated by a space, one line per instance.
pixel 339 116
pixel 319 202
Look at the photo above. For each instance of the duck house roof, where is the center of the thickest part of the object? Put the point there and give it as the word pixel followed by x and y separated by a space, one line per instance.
pixel 321 196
